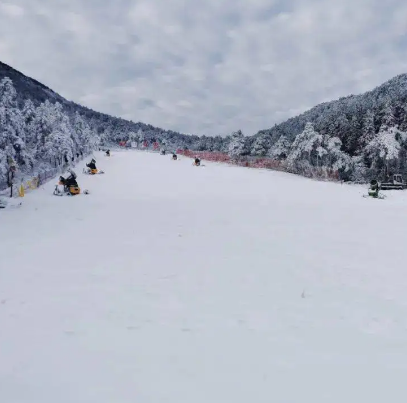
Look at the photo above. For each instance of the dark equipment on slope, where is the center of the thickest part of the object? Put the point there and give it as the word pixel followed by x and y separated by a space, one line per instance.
pixel 67 186
pixel 373 190
pixel 91 168
pixel 396 183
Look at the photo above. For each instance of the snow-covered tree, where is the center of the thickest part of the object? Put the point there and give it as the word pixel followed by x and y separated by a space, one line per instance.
pixel 280 149
pixel 89 140
pixel 105 134
pixel 335 157
pixel 403 118
pixel 58 145
pixel 353 135
pixel 384 150
pixel 368 130
pixel 204 144
pixel 339 127
pixel 388 119
pixel 29 114
pixel 261 145
pixel 237 144
pixel 141 137
pixel 132 136
pixel 42 127
pixel 11 126
pixel 307 146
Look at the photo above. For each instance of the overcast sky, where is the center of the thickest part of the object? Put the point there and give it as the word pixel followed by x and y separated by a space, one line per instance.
pixel 205 66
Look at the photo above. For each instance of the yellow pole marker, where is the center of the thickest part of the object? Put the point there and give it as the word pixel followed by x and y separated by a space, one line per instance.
pixel 21 191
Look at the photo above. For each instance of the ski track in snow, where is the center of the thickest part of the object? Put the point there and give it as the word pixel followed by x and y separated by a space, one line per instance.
pixel 172 283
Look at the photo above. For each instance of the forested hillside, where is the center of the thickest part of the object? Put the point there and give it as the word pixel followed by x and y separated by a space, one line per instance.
pixel 40 130
pixel 357 137
pixel 107 126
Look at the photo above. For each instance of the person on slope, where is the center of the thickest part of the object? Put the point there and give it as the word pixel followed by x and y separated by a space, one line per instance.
pixel 108 153
pixel 174 156
pixel 197 162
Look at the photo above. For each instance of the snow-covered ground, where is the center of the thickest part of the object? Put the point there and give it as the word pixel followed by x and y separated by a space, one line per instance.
pixel 219 284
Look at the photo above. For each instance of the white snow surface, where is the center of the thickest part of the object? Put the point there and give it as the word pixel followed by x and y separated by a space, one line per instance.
pixel 218 284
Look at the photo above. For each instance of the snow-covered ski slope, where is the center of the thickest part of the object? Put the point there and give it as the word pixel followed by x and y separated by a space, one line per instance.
pixel 172 283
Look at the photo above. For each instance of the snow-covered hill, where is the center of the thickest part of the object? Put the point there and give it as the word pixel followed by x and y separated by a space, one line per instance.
pixel 171 283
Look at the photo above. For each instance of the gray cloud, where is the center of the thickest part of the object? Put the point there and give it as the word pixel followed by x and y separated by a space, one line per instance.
pixel 208 67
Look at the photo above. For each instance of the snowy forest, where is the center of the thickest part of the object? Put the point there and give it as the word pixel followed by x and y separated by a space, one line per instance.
pixel 46 137
pixel 355 138
pixel 43 133
pixel 36 138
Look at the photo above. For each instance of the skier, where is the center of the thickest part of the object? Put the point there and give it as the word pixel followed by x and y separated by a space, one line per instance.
pixel 197 162
pixel 108 153
pixel 174 156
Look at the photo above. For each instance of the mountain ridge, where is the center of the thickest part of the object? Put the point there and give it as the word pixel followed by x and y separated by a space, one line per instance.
pixel 29 88
pixel 391 90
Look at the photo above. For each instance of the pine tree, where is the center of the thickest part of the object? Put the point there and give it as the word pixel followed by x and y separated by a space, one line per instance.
pixel 403 118
pixel 237 144
pixel 204 144
pixel 368 130
pixel 11 127
pixel 280 149
pixel 261 145
pixel 132 137
pixel 141 137
pixel 336 158
pixel 340 127
pixel 89 140
pixel 58 144
pixel 388 119
pixel 384 150
pixel 307 146
pixel 353 136
pixel 42 126
pixel 29 113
